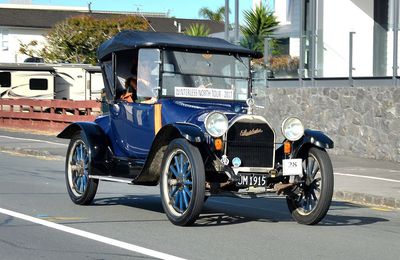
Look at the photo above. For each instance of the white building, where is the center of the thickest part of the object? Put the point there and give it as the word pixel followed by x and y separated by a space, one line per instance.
pixel 25 23
pixel 325 26
pixel 16 29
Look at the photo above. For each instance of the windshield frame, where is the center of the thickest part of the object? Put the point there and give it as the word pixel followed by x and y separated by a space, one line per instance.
pixel 236 56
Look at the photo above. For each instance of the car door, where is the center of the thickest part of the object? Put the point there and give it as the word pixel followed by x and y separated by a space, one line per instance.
pixel 118 116
pixel 140 134
pixel 133 126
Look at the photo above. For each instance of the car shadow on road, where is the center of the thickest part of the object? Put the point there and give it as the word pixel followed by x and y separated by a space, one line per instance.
pixel 274 210
pixel 332 220
pixel 146 202
pixel 228 211
pixel 343 219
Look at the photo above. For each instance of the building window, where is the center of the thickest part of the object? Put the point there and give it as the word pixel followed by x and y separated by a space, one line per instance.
pixel 38 84
pixel 4 39
pixel 5 79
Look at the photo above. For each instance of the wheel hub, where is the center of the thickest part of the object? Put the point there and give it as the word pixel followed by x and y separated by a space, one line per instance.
pixel 78 167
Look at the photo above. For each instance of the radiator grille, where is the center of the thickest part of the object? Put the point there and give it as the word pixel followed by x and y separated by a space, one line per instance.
pixel 253 143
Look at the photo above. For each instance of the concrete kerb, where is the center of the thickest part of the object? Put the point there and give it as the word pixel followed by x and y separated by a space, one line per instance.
pixel 367 199
pixel 31 152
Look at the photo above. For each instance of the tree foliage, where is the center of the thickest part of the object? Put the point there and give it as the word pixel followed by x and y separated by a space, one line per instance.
pixel 75 40
pixel 259 24
pixel 197 30
pixel 218 15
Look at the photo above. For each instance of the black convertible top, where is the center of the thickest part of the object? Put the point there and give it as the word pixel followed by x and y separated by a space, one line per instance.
pixel 127 40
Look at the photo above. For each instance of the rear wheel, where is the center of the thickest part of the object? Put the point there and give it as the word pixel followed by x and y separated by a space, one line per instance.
pixel 81 188
pixel 310 202
pixel 182 182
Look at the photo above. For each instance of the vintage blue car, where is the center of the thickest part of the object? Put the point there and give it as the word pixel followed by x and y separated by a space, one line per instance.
pixel 188 125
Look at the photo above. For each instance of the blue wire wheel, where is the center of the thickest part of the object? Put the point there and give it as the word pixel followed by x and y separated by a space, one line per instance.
pixel 178 182
pixel 78 168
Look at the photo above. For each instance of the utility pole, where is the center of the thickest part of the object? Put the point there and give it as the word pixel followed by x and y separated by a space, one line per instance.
pixel 236 22
pixel 227 20
pixel 90 7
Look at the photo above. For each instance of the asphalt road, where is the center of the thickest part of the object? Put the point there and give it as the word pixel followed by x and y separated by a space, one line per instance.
pixel 227 228
pixel 358 180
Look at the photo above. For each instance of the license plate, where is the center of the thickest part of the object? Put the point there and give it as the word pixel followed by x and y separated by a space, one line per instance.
pixel 253 180
pixel 292 167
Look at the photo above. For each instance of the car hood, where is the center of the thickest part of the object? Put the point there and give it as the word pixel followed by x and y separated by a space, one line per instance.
pixel 195 111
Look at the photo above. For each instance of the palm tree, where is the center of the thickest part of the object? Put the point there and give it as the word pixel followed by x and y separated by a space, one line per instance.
pixel 197 30
pixel 218 15
pixel 259 24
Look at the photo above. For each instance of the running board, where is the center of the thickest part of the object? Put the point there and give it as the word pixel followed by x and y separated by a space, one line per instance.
pixel 243 195
pixel 111 178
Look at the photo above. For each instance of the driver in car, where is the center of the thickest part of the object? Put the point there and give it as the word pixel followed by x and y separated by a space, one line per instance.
pixel 131 90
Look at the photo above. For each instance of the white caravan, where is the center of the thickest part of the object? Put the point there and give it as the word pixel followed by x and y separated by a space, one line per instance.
pixel 50 81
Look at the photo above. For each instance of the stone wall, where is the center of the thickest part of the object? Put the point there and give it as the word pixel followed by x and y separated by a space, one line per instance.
pixel 363 122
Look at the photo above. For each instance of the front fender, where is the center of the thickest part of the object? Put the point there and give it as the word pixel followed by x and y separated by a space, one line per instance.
pixel 312 138
pixel 190 132
pixel 98 143
pixel 150 174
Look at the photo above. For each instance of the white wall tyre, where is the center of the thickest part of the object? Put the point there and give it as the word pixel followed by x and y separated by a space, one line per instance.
pixel 80 187
pixel 182 183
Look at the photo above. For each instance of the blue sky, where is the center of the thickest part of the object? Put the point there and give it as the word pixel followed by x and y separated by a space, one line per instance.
pixel 178 8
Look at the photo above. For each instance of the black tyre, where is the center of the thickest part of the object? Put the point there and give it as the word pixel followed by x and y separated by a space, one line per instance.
pixel 81 188
pixel 311 201
pixel 182 182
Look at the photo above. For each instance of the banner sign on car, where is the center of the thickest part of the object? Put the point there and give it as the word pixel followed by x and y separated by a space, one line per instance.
pixel 204 93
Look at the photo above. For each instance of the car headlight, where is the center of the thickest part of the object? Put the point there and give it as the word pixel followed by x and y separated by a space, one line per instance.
pixel 292 128
pixel 216 124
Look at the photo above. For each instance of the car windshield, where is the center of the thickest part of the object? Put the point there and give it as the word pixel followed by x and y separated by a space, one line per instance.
pixel 209 76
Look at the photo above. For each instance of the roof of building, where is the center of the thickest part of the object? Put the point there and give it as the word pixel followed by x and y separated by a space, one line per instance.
pixel 46 66
pixel 47 18
pixel 130 39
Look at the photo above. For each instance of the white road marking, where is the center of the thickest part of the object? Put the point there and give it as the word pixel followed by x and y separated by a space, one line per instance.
pixel 366 177
pixel 92 236
pixel 32 140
